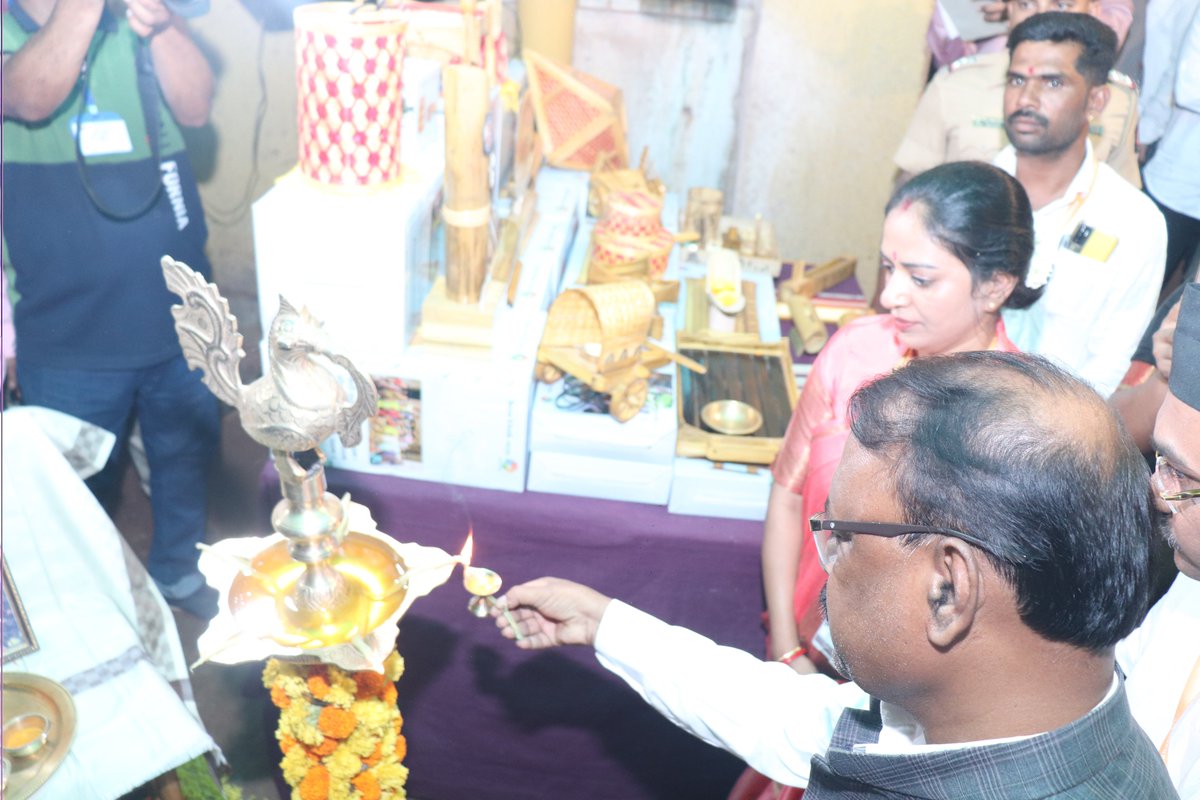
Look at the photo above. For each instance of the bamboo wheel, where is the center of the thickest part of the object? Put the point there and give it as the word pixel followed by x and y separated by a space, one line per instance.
pixel 546 372
pixel 628 400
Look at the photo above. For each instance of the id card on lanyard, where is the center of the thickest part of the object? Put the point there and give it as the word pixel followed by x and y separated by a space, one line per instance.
pixel 99 133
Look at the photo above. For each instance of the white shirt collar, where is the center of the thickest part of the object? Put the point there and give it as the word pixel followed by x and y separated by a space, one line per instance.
pixel 902 734
pixel 1006 160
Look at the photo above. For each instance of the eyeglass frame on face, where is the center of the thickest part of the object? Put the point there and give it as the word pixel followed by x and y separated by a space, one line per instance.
pixel 1173 500
pixel 821 527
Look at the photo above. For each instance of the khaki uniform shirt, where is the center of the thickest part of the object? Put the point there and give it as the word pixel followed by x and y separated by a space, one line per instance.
pixel 961 118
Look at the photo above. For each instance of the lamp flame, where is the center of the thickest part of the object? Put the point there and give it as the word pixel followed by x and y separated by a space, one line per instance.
pixel 468 549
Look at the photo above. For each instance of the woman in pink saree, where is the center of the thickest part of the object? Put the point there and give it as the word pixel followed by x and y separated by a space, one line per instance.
pixel 956 245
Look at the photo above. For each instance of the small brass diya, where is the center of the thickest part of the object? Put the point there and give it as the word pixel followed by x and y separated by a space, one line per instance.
pixel 731 417
pixel 25 735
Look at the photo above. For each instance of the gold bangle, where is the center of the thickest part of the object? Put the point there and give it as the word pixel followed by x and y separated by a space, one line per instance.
pixel 793 654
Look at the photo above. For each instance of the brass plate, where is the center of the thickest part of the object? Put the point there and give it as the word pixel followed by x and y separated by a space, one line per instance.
pixel 732 417
pixel 26 693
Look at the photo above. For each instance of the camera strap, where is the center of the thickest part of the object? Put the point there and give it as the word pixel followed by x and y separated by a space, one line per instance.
pixel 147 86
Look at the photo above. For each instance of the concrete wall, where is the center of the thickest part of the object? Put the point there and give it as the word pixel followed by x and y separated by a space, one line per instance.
pixel 792 108
pixel 827 93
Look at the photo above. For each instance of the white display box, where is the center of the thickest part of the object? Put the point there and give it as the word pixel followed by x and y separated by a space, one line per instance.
pixel 561 209
pixel 449 415
pixel 361 260
pixel 605 478
pixel 734 491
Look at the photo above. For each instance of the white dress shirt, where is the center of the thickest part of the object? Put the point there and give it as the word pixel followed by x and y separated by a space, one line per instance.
pixel 1171 104
pixel 1094 309
pixel 764 712
pixel 1158 658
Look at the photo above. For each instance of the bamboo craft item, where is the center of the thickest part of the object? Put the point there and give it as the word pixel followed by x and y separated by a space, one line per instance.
pixel 630 242
pixel 605 181
pixel 696 317
pixel 759 375
pixel 600 335
pixel 702 214
pixel 349 104
pixel 580 118
pixel 467 209
pixel 441 33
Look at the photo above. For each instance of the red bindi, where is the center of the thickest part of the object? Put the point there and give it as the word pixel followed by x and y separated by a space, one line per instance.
pixel 905 205
pixel 1030 71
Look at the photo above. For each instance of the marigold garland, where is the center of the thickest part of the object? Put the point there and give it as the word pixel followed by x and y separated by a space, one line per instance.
pixel 339 731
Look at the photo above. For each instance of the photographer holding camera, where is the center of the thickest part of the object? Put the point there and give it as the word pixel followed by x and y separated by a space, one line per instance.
pixel 98 187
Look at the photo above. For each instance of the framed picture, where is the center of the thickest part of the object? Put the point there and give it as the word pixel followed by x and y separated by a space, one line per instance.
pixel 18 636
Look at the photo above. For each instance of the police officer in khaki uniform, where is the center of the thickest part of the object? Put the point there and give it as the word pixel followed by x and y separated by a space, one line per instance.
pixel 960 118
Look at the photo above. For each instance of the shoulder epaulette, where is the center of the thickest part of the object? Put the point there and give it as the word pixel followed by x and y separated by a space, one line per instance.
pixel 1121 79
pixel 965 61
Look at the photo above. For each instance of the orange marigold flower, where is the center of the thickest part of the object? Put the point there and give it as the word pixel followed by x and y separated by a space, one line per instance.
pixel 318 686
pixel 279 697
pixel 315 785
pixel 336 722
pixel 366 783
pixel 324 748
pixel 401 746
pixel 396 723
pixel 368 684
pixel 286 743
pixel 388 696
pixel 373 759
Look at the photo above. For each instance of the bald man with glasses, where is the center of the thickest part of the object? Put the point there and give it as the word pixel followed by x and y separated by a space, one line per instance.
pixel 986 539
pixel 1162 657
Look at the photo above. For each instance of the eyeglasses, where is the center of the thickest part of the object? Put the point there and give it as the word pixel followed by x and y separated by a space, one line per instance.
pixel 831 535
pixel 1168 482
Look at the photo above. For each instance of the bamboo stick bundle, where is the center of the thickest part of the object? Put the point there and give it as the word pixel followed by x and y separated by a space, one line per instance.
pixel 467 208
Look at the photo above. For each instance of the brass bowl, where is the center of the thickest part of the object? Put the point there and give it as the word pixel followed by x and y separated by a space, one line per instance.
pixel 25 735
pixel 732 417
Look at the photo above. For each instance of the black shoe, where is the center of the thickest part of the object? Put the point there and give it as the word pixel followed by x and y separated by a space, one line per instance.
pixel 201 603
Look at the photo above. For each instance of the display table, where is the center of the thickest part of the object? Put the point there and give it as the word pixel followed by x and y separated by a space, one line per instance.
pixel 484 719
pixel 103 631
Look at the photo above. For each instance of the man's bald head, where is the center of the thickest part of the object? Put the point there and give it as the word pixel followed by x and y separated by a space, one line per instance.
pixel 1018 452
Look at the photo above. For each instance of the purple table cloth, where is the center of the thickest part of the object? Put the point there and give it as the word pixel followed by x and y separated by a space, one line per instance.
pixel 486 720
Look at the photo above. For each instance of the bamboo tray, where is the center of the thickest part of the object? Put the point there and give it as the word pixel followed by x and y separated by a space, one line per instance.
pixel 695 316
pixel 757 374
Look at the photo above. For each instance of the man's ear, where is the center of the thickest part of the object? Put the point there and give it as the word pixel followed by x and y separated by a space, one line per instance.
pixel 955 592
pixel 1097 100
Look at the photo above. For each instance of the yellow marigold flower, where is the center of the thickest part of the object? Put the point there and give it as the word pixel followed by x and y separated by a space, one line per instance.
pixel 340 696
pixel 393 666
pixel 295 765
pixel 315 785
pixel 392 777
pixel 373 715
pixel 343 765
pixel 376 753
pixel 362 742
pixel 389 694
pixel 336 722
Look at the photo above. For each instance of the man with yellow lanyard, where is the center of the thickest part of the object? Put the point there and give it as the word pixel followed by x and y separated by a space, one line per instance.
pixel 1100 244
pixel 1161 658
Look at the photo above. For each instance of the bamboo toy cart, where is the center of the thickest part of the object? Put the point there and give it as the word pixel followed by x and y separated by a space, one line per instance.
pixel 600 335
